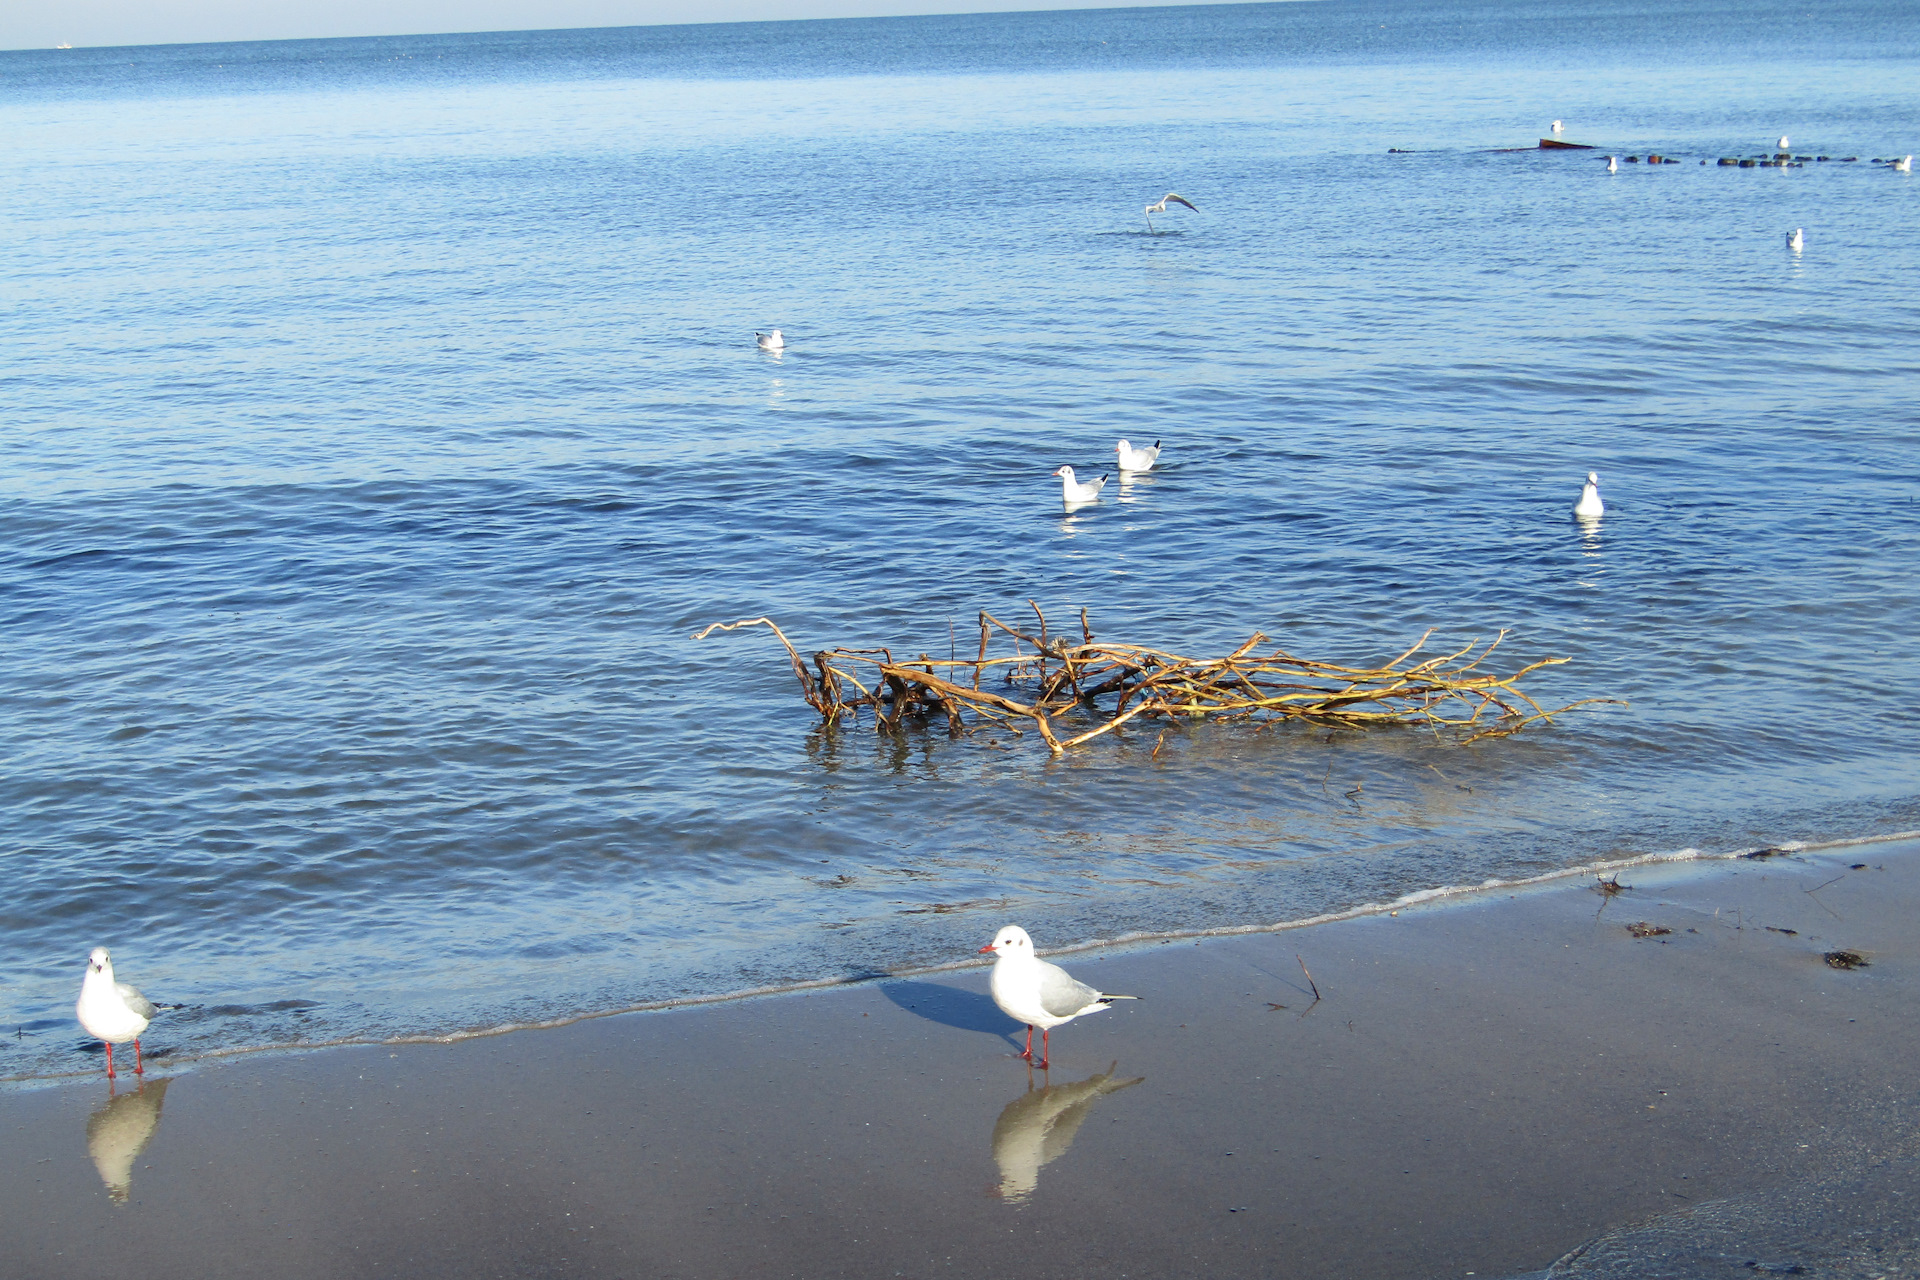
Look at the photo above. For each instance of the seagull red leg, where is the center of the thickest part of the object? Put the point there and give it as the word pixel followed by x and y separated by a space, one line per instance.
pixel 1027 1052
pixel 1044 1033
pixel 137 1068
pixel 110 1060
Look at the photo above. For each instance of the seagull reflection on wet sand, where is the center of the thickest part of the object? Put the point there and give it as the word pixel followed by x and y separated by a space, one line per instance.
pixel 119 1130
pixel 1037 1127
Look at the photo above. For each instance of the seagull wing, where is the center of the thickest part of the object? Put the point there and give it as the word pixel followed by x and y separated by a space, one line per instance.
pixel 1063 995
pixel 1179 199
pixel 134 1000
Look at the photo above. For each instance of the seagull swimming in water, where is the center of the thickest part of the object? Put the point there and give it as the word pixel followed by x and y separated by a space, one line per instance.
pixel 113 1011
pixel 1903 165
pixel 1613 164
pixel 1042 995
pixel 1132 459
pixel 1162 206
pixel 1795 240
pixel 1783 142
pixel 1590 507
pixel 771 341
pixel 1555 127
pixel 1072 490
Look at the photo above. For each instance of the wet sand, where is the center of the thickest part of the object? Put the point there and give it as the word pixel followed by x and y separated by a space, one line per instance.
pixel 1487 1085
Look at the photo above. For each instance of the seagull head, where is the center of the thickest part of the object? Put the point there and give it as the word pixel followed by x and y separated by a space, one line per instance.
pixel 100 960
pixel 1122 447
pixel 1593 477
pixel 1010 941
pixel 1065 471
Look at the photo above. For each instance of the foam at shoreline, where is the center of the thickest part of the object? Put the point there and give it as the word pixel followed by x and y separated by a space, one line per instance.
pixel 1421 897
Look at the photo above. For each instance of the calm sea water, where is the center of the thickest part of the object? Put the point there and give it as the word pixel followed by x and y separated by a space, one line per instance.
pixel 382 416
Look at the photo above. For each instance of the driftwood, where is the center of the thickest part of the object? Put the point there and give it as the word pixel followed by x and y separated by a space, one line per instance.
pixel 1059 675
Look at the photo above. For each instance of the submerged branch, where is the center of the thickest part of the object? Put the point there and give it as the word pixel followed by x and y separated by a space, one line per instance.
pixel 1447 691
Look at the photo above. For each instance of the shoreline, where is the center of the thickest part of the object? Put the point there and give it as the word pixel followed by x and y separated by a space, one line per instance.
pixel 1500 1084
pixel 1441 894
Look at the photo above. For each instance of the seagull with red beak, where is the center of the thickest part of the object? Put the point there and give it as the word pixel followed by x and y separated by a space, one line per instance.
pixel 1042 995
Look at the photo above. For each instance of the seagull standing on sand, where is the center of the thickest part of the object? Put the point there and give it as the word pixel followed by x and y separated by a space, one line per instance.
pixel 1072 490
pixel 1613 165
pixel 113 1011
pixel 1132 459
pixel 1590 507
pixel 1162 206
pixel 1795 240
pixel 771 341
pixel 1042 995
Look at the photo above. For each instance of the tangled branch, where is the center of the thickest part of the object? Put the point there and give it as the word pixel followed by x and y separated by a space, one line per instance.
pixel 1059 676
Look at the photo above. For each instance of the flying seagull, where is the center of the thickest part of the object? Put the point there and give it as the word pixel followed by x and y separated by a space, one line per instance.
pixel 1042 995
pixel 1162 206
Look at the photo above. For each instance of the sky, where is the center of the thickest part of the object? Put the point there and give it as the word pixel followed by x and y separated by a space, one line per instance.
pixel 25 24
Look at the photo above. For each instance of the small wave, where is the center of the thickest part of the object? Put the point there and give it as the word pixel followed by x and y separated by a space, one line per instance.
pixel 1419 897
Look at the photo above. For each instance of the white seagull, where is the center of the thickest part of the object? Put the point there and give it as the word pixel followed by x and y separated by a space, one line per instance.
pixel 1554 127
pixel 1590 507
pixel 771 341
pixel 113 1011
pixel 1042 995
pixel 1783 142
pixel 1903 165
pixel 1132 459
pixel 1613 165
pixel 1072 490
pixel 1795 240
pixel 1162 206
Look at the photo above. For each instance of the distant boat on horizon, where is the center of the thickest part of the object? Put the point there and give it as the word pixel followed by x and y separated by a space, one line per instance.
pixel 63 46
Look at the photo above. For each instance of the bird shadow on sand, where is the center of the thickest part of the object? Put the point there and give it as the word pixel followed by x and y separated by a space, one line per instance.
pixel 952 1007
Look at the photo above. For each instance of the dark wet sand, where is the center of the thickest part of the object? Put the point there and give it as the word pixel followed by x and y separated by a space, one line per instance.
pixel 1486 1085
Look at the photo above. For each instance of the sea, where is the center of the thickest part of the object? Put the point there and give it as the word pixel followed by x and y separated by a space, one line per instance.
pixel 380 419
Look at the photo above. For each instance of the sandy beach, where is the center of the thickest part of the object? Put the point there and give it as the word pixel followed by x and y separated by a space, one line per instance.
pixel 1488 1085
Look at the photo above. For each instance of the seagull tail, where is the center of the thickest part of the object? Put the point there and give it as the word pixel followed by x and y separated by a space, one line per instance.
pixel 1156 444
pixel 1105 998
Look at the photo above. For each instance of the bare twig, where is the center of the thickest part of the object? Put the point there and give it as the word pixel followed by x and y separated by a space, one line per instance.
pixel 1059 678
pixel 1310 981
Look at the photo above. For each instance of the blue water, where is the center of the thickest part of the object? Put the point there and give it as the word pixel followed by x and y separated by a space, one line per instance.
pixel 383 416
